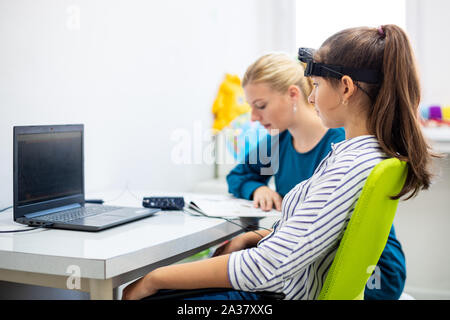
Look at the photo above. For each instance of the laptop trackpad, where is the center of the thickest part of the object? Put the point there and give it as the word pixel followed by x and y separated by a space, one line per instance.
pixel 98 221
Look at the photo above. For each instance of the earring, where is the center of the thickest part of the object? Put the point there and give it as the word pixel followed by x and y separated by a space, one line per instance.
pixel 295 108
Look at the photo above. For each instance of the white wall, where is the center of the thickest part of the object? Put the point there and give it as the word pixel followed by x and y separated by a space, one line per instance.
pixel 133 71
pixel 422 228
pixel 428 25
pixel 422 223
pixel 338 16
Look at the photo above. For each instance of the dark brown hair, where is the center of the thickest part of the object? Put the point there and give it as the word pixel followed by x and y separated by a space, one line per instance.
pixel 393 114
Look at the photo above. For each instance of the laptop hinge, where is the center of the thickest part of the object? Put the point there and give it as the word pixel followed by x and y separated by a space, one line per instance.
pixel 53 210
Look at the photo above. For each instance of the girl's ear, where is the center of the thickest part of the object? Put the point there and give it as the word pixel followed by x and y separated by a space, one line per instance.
pixel 347 87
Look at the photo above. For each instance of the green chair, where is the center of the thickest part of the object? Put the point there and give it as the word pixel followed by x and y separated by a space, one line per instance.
pixel 367 232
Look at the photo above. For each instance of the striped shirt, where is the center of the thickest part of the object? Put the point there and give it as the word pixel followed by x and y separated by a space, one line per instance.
pixel 295 257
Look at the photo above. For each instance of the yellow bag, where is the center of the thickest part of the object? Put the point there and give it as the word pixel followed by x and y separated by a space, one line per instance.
pixel 230 102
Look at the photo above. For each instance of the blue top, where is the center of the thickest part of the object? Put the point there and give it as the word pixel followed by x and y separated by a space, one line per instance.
pixel 291 168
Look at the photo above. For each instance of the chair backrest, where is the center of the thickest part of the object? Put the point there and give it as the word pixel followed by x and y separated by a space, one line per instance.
pixel 367 232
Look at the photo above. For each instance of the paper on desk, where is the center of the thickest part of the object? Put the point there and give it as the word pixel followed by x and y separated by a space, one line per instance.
pixel 228 206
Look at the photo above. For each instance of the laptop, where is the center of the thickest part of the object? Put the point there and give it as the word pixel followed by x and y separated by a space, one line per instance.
pixel 49 182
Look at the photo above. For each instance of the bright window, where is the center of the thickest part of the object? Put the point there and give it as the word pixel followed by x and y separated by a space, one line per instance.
pixel 319 19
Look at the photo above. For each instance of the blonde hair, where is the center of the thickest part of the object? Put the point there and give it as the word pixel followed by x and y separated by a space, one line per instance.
pixel 279 71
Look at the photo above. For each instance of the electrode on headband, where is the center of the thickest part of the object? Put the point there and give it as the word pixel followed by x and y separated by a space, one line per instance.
pixel 381 31
pixel 332 71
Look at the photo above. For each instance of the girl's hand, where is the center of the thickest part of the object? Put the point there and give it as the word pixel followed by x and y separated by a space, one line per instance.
pixel 233 245
pixel 139 289
pixel 241 242
pixel 266 199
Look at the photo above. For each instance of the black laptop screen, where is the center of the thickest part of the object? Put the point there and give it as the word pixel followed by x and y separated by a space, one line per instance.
pixel 49 165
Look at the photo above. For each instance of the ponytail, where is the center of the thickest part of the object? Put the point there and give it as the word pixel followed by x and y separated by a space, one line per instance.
pixel 398 129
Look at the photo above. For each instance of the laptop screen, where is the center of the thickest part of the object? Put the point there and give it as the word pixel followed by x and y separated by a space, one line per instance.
pixel 49 166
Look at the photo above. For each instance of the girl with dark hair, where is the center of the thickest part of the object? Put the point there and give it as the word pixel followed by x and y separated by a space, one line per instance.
pixel 278 92
pixel 365 81
pixel 390 106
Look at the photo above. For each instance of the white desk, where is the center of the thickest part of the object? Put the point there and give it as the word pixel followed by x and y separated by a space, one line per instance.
pixel 109 258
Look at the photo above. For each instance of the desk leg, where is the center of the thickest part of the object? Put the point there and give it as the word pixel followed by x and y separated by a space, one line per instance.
pixel 101 289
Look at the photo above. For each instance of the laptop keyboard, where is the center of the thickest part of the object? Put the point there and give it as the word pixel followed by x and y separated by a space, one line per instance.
pixel 78 213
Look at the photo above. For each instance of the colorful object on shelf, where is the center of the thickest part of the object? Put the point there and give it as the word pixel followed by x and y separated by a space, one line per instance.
pixel 435 113
pixel 446 113
pixel 230 102
pixel 424 112
pixel 243 135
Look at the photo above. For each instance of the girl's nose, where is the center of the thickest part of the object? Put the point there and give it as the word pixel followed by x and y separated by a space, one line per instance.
pixel 311 98
pixel 255 115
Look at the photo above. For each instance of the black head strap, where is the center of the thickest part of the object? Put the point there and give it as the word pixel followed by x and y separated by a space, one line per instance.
pixel 331 71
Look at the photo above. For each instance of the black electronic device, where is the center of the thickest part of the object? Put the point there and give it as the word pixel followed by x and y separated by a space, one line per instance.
pixel 164 203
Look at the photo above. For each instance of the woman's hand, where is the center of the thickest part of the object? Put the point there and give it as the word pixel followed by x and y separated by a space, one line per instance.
pixel 266 199
pixel 139 289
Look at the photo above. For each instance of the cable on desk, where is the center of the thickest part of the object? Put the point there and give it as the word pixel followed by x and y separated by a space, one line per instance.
pixel 19 230
pixel 23 230
pixel 4 209
pixel 198 210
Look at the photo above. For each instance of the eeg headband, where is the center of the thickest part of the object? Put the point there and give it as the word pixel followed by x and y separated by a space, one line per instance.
pixel 326 70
